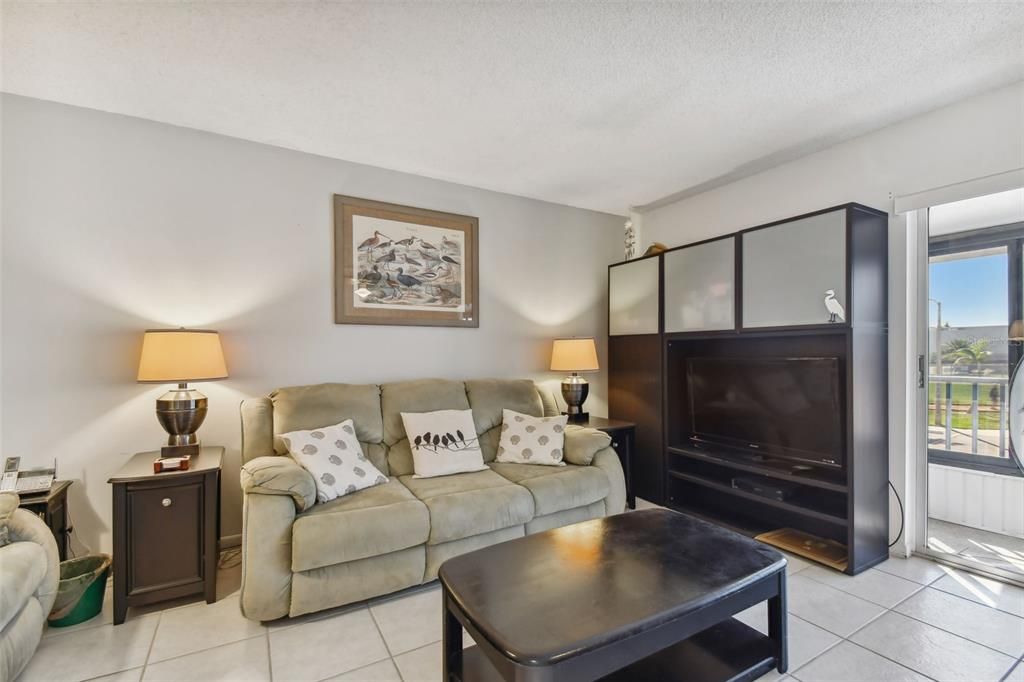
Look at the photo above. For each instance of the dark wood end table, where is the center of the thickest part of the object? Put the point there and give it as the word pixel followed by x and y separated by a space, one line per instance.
pixel 166 528
pixel 52 507
pixel 647 595
pixel 623 437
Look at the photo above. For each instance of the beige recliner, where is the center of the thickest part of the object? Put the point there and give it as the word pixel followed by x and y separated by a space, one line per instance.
pixel 300 556
pixel 29 571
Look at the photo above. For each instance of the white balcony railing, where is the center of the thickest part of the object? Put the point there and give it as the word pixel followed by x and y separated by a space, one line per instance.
pixel 983 441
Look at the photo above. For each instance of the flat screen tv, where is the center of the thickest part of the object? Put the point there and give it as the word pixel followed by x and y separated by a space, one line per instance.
pixel 787 408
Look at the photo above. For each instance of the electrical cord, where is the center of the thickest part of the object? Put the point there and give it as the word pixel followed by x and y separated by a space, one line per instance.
pixel 902 521
pixel 72 535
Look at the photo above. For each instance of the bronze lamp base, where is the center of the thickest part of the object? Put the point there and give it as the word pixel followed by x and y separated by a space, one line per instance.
pixel 181 412
pixel 575 390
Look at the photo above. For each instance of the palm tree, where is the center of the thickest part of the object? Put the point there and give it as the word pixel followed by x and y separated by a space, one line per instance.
pixel 967 352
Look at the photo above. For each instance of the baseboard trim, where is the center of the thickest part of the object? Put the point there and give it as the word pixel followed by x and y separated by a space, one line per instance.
pixel 228 541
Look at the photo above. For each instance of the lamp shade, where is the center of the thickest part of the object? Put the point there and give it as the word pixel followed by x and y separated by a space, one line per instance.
pixel 574 355
pixel 1016 331
pixel 181 355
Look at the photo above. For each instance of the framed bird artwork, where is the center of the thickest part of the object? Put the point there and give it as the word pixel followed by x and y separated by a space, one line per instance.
pixel 400 265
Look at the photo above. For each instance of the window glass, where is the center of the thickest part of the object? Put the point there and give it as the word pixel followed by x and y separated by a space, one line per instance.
pixel 969 352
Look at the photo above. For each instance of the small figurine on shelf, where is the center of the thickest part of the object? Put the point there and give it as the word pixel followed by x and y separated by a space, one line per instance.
pixel 834 307
pixel 655 248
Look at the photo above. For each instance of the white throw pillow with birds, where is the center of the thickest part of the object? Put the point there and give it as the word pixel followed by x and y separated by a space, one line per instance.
pixel 443 442
pixel 335 458
pixel 532 440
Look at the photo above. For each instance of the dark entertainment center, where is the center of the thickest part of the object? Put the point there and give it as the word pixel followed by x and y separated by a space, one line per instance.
pixel 756 366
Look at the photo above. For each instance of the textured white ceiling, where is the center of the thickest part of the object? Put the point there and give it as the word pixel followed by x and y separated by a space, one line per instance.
pixel 598 105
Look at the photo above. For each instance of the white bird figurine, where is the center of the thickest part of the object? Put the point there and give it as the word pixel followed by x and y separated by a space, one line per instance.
pixel 834 307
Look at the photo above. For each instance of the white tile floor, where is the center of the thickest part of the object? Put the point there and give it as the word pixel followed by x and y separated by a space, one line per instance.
pixel 906 620
pixel 995 550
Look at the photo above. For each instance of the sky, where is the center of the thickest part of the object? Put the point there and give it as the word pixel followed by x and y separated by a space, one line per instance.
pixel 973 291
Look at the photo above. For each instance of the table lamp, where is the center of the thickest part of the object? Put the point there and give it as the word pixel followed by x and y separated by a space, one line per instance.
pixel 574 355
pixel 180 356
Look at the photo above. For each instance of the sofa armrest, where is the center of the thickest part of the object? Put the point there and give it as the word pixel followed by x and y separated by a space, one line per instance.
pixel 24 526
pixel 8 505
pixel 582 443
pixel 279 475
pixel 607 460
pixel 257 428
pixel 266 590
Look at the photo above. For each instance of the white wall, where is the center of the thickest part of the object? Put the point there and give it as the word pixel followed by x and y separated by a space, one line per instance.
pixel 977 137
pixel 115 224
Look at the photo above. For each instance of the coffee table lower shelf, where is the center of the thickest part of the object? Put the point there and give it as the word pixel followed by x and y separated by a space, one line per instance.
pixel 728 652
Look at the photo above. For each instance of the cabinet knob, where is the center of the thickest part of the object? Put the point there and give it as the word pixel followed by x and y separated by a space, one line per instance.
pixel 166 502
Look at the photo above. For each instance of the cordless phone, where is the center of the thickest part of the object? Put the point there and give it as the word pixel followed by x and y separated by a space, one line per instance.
pixel 10 478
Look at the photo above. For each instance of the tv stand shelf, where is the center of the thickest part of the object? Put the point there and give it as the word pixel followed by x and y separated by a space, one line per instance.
pixel 778 504
pixel 844 504
pixel 781 471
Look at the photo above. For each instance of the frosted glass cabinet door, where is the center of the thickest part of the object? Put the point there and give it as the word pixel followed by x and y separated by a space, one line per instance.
pixel 789 269
pixel 633 298
pixel 700 287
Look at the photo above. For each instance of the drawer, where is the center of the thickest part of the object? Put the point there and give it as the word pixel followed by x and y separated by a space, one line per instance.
pixel 165 536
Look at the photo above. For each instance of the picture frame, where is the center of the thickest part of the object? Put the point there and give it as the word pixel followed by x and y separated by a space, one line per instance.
pixel 402 265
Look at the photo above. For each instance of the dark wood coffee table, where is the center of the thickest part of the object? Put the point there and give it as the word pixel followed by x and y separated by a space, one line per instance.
pixel 647 595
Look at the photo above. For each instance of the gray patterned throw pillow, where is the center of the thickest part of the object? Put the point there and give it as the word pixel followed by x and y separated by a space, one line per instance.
pixel 532 440
pixel 333 456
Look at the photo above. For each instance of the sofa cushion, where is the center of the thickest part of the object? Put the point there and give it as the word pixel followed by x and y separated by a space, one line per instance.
pixel 488 397
pixel 463 505
pixel 374 521
pixel 300 408
pixel 425 395
pixel 547 399
pixel 23 569
pixel 556 489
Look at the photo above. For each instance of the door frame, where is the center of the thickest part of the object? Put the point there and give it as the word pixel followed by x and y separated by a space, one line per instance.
pixel 917 261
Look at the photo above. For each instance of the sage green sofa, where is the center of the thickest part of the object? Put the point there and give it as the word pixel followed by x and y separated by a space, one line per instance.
pixel 300 556
pixel 29 571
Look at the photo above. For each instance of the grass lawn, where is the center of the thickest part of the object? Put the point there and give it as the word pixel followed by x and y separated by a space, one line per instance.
pixel 963 421
pixel 988 408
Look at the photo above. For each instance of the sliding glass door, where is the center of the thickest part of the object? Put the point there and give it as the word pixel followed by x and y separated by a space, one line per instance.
pixel 972 510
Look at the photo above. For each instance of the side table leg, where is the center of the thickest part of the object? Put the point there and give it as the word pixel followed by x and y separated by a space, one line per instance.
pixel 777 624
pixel 120 608
pixel 630 496
pixel 211 533
pixel 120 555
pixel 210 590
pixel 451 636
